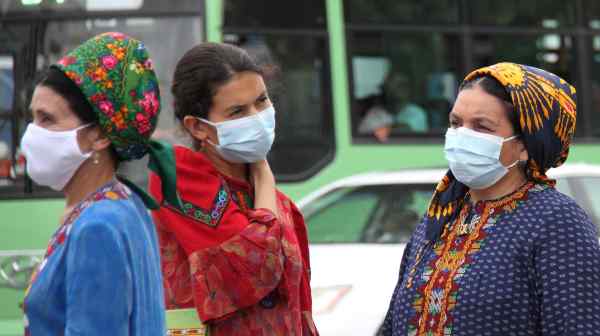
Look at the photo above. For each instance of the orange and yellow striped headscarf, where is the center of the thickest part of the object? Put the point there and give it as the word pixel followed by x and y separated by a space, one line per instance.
pixel 546 108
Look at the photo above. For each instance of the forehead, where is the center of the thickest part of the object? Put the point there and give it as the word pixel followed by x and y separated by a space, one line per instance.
pixel 475 103
pixel 47 100
pixel 243 88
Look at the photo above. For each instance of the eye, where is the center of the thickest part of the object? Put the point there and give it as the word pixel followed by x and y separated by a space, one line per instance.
pixel 485 129
pixel 237 111
pixel 262 100
pixel 44 118
pixel 454 124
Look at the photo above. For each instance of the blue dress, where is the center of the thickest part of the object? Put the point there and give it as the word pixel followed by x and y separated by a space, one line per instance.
pixel 101 273
pixel 526 264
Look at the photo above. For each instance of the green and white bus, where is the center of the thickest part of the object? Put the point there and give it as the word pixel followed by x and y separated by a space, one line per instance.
pixel 335 58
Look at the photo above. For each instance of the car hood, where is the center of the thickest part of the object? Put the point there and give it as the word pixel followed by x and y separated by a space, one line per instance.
pixel 352 285
pixel 360 264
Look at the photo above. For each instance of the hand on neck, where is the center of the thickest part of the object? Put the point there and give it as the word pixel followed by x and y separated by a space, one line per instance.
pixel 88 178
pixel 505 186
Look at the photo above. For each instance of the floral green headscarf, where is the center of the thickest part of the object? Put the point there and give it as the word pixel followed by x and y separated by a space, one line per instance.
pixel 114 72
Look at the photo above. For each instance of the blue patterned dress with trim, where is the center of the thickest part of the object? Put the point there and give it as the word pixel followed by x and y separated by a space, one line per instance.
pixel 101 272
pixel 525 264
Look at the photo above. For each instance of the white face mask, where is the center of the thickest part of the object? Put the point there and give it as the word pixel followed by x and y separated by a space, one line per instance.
pixel 474 157
pixel 248 139
pixel 52 156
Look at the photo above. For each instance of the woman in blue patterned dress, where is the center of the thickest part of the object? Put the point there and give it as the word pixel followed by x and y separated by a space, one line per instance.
pixel 500 251
pixel 101 272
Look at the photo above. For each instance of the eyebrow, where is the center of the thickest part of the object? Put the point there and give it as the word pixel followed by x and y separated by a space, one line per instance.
pixel 453 115
pixel 479 117
pixel 233 107
pixel 41 112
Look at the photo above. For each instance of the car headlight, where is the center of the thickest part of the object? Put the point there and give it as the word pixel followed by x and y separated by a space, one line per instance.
pixel 325 299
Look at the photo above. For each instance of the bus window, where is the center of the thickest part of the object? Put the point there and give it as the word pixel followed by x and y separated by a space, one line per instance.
pixel 594 117
pixel 275 14
pixel 531 13
pixel 385 12
pixel 404 84
pixel 551 52
pixel 22 8
pixel 7 84
pixel 297 63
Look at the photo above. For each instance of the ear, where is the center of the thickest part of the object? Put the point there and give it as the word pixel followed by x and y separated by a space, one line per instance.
pixel 523 154
pixel 197 129
pixel 99 141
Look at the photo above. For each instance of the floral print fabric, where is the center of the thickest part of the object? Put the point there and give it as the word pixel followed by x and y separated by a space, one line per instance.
pixel 116 75
pixel 248 273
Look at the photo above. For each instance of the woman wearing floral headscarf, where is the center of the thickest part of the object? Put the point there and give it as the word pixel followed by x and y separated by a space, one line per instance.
pixel 500 251
pixel 101 272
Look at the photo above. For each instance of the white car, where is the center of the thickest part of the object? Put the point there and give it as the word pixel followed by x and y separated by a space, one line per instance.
pixel 358 227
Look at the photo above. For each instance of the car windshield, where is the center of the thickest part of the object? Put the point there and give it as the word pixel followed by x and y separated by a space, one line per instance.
pixel 592 189
pixel 367 214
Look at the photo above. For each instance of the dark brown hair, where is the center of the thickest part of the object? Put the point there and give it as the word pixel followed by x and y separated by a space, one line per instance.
pixel 201 71
pixel 493 87
pixel 56 80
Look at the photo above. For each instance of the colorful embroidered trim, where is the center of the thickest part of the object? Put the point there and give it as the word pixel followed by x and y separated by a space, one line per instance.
pixel 209 217
pixel 188 332
pixel 112 191
pixel 243 200
pixel 439 284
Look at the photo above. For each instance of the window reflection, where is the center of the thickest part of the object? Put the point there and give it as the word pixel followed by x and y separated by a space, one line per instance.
pixel 595 88
pixel 592 190
pixel 298 73
pixel 7 173
pixel 289 39
pixel 551 52
pixel 50 7
pixel 276 14
pixel 371 214
pixel 406 11
pixel 592 13
pixel 531 13
pixel 403 83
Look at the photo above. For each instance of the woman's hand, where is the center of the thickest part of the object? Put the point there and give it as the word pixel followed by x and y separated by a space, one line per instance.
pixel 263 180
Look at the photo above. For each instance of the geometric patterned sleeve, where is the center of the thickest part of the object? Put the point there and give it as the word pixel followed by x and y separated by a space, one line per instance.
pixel 567 272
pixel 386 328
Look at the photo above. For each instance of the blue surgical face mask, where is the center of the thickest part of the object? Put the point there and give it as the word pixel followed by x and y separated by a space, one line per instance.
pixel 245 140
pixel 474 157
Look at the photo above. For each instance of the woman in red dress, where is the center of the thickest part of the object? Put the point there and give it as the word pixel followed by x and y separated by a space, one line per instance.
pixel 232 246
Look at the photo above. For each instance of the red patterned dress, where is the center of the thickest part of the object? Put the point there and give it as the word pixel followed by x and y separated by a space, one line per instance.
pixel 245 271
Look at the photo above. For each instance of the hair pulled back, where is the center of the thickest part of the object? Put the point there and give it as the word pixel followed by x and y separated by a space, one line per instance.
pixel 201 71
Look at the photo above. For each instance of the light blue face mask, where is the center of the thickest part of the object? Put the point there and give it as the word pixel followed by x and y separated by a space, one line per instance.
pixel 474 157
pixel 245 140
